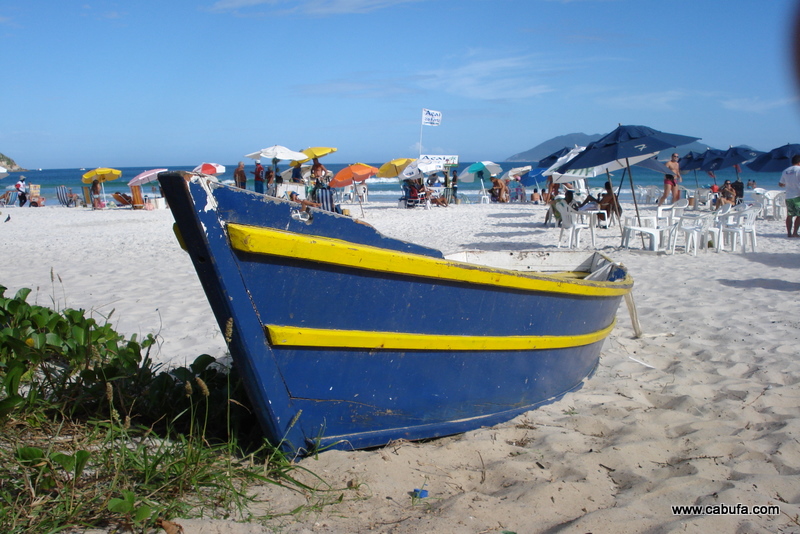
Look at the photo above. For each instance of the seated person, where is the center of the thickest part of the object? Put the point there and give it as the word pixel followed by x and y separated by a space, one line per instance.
pixel 608 202
pixel 727 195
pixel 552 195
pixel 436 198
pixel 305 204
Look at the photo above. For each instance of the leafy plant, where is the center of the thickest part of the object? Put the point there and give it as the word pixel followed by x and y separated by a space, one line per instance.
pixel 95 432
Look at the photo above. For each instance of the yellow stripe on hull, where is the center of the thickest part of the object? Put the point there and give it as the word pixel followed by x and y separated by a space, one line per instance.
pixel 293 336
pixel 259 240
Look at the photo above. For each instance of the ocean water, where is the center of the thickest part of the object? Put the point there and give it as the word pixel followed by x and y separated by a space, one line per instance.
pixel 381 189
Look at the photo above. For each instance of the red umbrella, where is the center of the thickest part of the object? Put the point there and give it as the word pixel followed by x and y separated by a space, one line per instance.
pixel 357 172
pixel 211 169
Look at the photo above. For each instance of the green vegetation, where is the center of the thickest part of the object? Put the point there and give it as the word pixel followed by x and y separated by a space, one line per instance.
pixel 7 162
pixel 94 433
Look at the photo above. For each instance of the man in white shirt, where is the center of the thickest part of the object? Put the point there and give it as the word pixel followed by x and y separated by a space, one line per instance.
pixel 790 179
pixel 22 192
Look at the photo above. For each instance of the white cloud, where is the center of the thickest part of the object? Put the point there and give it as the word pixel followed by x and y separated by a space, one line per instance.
pixel 757 105
pixel 491 79
pixel 659 101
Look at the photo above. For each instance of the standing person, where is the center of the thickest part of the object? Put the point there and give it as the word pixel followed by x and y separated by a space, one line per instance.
pixel 277 171
pixel 454 183
pixel 269 177
pixel 671 181
pixel 790 179
pixel 22 191
pixel 259 177
pixel 240 177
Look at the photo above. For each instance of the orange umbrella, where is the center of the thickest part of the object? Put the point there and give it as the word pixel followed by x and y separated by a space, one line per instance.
pixel 357 172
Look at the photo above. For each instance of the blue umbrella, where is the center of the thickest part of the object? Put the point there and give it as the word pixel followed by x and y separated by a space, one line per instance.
pixel 546 162
pixel 623 143
pixel 776 160
pixel 735 155
pixel 692 161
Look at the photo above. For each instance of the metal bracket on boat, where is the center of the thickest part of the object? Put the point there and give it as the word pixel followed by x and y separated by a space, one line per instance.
pixel 301 215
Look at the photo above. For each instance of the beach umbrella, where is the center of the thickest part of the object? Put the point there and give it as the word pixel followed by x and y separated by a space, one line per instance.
pixel 101 174
pixel 276 152
pixel 357 172
pixel 145 177
pixel 552 158
pixel 210 169
pixel 3 172
pixel 776 160
pixel 313 152
pixel 735 155
pixel 517 171
pixel 488 168
pixel 419 168
pixel 393 168
pixel 624 143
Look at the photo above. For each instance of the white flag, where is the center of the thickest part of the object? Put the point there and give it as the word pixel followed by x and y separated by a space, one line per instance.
pixel 431 118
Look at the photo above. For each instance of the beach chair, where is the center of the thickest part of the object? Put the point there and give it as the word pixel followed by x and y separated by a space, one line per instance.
pixel 9 199
pixel 324 196
pixel 122 201
pixel 87 197
pixel 64 197
pixel 136 195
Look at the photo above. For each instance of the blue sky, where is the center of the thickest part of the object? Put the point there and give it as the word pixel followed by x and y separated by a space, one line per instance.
pixel 178 82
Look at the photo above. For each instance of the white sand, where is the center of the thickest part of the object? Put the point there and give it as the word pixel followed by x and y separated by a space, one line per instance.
pixel 702 410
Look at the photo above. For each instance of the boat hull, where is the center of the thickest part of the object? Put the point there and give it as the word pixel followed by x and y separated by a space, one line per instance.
pixel 348 339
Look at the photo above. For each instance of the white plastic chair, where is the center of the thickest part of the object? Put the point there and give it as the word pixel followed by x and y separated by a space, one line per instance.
pixel 743 225
pixel 673 211
pixel 569 224
pixel 652 195
pixel 771 206
pixel 695 232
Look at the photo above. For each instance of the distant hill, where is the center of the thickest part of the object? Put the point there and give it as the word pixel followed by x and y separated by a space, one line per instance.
pixel 543 150
pixel 9 163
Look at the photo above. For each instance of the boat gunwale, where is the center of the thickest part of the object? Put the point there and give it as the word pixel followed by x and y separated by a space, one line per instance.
pixel 281 243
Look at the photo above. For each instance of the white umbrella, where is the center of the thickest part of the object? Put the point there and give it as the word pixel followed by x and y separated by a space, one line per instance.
pixel 418 168
pixel 3 172
pixel 145 177
pixel 590 172
pixel 276 152
pixel 517 171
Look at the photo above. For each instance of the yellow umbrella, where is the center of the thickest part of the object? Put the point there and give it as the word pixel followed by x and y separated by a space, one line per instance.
pixel 312 153
pixel 393 168
pixel 101 174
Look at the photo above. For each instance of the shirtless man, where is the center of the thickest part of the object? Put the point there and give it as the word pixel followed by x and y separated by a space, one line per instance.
pixel 671 181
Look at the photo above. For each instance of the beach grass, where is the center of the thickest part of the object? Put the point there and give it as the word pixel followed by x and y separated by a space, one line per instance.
pixel 95 434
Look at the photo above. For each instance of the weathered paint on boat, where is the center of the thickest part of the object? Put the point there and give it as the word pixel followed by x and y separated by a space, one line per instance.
pixel 349 339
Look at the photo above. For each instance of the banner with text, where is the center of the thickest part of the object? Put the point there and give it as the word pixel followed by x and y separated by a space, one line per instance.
pixel 447 161
pixel 431 117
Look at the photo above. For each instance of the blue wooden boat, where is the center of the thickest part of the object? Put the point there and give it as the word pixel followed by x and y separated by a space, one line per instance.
pixel 346 338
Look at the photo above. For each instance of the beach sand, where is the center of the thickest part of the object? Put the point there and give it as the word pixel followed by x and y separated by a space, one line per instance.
pixel 703 409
